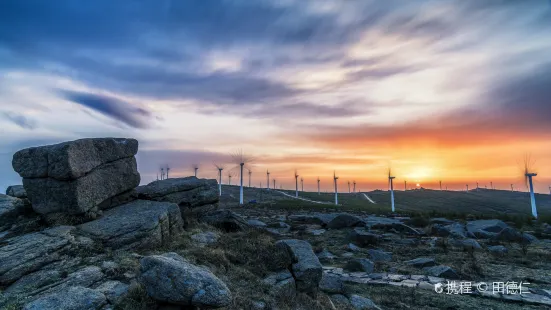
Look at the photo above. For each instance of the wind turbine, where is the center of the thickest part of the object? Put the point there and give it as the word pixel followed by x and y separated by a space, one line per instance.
pixel 167 170
pixel 220 168
pixel 391 183
pixel 529 174
pixel 318 185
pixel 267 179
pixel 240 158
pixel 349 187
pixel 296 183
pixel 162 173
pixel 440 185
pixel 550 190
pixel 405 185
pixel 354 182
pixel 250 172
pixel 195 168
pixel 512 188
pixel 467 188
pixel 302 184
pixel 477 186
pixel 230 174
pixel 491 185
pixel 274 184
pixel 335 178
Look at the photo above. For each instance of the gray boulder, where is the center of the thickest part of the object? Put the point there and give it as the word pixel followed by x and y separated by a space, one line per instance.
pixel 441 272
pixel 205 238
pixel 421 262
pixel 85 194
pixel 363 237
pixel 360 303
pixel 140 223
pixel 512 235
pixel 326 256
pixel 281 284
pixel 360 264
pixel 114 291
pixel 455 230
pixel 72 160
pixel 331 284
pixel 170 278
pixel 441 221
pixel 225 220
pixel 256 223
pixel 79 176
pixel 345 220
pixel 379 256
pixel 305 265
pixel 74 298
pixel 466 244
pixel 17 191
pixel 340 301
pixel 11 208
pixel 27 253
pixel 375 222
pixel 485 228
pixel 186 192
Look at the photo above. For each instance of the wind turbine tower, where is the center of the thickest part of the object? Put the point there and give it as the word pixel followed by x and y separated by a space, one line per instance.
pixel 220 168
pixel 318 185
pixel 296 184
pixel 267 179
pixel 167 170
pixel 512 188
pixel 162 173
pixel 354 183
pixel 391 182
pixel 302 184
pixel 405 186
pixel 195 168
pixel 529 174
pixel 440 185
pixel 335 178
pixel 349 187
pixel 250 172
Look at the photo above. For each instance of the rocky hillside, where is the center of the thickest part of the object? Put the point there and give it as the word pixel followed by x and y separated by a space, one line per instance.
pixel 81 234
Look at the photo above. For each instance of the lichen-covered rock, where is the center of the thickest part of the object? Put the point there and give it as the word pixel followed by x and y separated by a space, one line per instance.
pixel 17 191
pixel 281 284
pixel 73 159
pixel 362 237
pixel 345 220
pixel 114 291
pixel 77 177
pixel 421 262
pixel 85 194
pixel 485 228
pixel 331 284
pixel 305 265
pixel 11 208
pixel 74 298
pixel 27 253
pixel 186 192
pixel 442 272
pixel 170 278
pixel 140 223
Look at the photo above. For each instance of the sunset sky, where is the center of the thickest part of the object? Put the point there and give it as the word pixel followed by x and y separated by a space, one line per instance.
pixel 457 91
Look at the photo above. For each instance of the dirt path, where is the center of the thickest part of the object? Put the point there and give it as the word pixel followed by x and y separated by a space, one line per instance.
pixel 367 197
pixel 300 198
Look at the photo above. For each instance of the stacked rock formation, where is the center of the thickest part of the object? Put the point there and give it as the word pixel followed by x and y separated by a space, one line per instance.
pixel 78 177
pixel 200 195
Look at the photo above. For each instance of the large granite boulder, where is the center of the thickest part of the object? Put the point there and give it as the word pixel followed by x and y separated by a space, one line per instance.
pixel 27 253
pixel 345 220
pixel 363 237
pixel 140 223
pixel 79 176
pixel 188 192
pixel 281 284
pixel 485 228
pixel 170 278
pixel 11 208
pixel 304 264
pixel 74 298
pixel 17 191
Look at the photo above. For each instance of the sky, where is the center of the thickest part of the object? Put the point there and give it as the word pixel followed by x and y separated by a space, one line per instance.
pixel 457 91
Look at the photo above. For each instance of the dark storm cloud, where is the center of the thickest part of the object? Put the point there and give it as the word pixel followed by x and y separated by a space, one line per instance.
pixel 116 109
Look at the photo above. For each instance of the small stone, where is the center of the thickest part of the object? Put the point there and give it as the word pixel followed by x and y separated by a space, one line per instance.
pixel 441 271
pixel 360 264
pixel 421 262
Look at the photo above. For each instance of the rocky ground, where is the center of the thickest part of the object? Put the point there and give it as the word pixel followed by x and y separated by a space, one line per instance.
pixel 172 244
